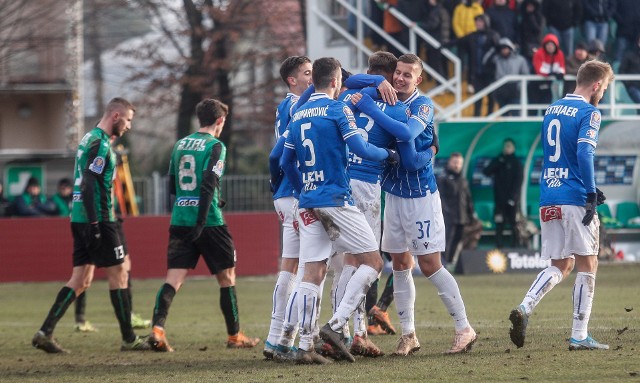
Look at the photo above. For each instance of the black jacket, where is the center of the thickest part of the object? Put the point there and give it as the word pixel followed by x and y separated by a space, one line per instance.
pixel 627 15
pixel 532 25
pixel 599 11
pixel 504 20
pixel 457 205
pixel 562 14
pixel 507 173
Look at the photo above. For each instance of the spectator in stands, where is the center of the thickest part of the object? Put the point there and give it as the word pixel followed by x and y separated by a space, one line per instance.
pixel 4 203
pixel 32 203
pixel 597 14
pixel 377 16
pixel 548 61
pixel 416 11
pixel 438 24
pixel 596 50
pixel 463 23
pixel 532 25
pixel 481 71
pixel 579 57
pixel 504 20
pixel 626 15
pixel 562 17
pixel 464 15
pixel 457 205
pixel 507 62
pixel 631 65
pixel 507 173
pixel 393 27
pixel 61 201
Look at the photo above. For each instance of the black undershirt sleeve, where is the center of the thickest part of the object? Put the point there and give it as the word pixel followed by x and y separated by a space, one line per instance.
pixel 88 185
pixel 210 182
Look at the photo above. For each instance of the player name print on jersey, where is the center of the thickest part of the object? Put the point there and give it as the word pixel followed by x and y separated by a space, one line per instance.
pixel 197 144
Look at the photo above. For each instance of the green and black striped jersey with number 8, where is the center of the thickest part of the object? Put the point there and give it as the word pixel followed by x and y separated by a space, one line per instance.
pixel 193 156
pixel 96 157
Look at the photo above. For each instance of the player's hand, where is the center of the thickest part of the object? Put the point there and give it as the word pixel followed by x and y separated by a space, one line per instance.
pixel 95 235
pixel 559 76
pixel 387 93
pixel 590 208
pixel 435 142
pixel 356 97
pixel 196 232
pixel 393 157
pixel 274 183
pixel 600 197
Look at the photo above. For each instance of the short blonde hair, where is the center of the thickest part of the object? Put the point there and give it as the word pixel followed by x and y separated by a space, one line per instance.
pixel 593 71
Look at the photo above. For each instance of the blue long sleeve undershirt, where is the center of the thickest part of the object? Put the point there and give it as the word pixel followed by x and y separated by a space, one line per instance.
pixel 585 164
pixel 412 160
pixel 288 165
pixel 400 130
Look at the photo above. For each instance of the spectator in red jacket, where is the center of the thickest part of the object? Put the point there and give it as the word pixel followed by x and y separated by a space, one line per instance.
pixel 548 61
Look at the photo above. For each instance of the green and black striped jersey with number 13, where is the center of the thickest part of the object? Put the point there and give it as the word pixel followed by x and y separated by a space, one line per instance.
pixel 193 156
pixel 95 158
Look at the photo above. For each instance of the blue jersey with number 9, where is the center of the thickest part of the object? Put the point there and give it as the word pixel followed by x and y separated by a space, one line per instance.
pixel 567 123
pixel 317 133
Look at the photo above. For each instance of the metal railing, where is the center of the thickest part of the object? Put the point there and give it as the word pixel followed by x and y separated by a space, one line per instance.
pixel 241 193
pixel 612 106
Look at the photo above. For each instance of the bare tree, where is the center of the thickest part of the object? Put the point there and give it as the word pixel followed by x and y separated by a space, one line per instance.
pixel 222 49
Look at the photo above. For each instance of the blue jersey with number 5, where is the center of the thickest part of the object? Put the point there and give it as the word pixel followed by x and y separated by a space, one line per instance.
pixel 317 133
pixel 567 123
pixel 363 169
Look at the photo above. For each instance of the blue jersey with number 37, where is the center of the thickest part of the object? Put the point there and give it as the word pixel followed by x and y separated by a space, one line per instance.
pixel 567 123
pixel 317 133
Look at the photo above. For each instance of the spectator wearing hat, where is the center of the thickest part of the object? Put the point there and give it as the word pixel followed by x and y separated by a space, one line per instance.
pixel 630 64
pixel 597 14
pixel 31 203
pixel 580 56
pixel 548 61
pixel 509 62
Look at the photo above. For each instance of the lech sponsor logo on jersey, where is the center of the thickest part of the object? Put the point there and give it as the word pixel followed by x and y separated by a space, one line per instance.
pixel 97 166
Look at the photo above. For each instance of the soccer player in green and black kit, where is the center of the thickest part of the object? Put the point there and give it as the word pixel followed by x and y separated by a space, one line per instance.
pixel 197 226
pixel 96 242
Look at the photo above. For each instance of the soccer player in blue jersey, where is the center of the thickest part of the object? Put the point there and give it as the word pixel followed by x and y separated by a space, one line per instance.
pixel 413 224
pixel 568 200
pixel 365 187
pixel 296 73
pixel 319 133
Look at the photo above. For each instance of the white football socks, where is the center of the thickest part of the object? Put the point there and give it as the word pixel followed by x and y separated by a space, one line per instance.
pixel 404 293
pixel 308 294
pixel 449 293
pixel 281 293
pixel 544 282
pixel 355 293
pixel 583 292
pixel 290 320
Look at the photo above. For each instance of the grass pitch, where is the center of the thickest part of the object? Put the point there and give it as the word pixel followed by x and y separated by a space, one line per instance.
pixel 196 329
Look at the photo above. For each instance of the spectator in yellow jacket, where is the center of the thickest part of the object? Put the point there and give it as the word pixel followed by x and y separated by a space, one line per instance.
pixel 463 20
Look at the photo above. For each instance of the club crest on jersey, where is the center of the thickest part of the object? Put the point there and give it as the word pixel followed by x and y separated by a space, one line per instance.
pixel 308 217
pixel 423 112
pixel 549 213
pixel 97 166
pixel 218 168
pixel 594 122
